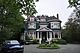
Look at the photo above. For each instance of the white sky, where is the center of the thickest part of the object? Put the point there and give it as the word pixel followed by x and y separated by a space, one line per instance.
pixel 52 7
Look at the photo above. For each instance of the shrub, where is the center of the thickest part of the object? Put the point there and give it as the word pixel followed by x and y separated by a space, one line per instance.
pixel 59 41
pixel 35 41
pixel 49 46
pixel 55 46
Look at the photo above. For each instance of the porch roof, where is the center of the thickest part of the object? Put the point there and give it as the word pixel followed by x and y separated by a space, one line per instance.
pixel 44 29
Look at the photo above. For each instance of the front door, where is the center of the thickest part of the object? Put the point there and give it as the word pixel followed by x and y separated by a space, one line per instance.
pixel 44 36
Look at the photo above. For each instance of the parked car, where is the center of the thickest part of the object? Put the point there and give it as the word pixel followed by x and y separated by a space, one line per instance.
pixel 11 46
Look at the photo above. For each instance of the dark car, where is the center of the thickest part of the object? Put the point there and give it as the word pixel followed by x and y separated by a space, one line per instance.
pixel 11 46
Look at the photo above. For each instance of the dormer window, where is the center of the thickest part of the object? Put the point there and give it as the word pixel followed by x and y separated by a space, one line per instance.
pixel 31 19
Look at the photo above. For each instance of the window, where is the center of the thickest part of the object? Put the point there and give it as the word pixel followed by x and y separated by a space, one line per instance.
pixel 31 19
pixel 32 25
pixel 55 25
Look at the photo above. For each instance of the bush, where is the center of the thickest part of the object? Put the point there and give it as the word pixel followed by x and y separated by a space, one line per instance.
pixel 35 41
pixel 55 45
pixel 49 46
pixel 59 41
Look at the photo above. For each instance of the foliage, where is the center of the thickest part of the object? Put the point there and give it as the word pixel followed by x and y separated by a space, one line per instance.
pixel 76 4
pixel 11 21
pixel 35 41
pixel 27 7
pixel 73 3
pixel 59 41
pixel 71 33
pixel 49 46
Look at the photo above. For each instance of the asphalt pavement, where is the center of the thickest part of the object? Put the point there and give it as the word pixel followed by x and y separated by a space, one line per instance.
pixel 69 48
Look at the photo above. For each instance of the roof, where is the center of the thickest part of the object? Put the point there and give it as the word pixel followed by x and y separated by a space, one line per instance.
pixel 44 29
pixel 55 20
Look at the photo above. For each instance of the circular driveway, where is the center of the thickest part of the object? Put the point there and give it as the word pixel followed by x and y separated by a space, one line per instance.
pixel 69 48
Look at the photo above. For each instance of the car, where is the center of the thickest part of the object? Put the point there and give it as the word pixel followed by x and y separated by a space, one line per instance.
pixel 12 46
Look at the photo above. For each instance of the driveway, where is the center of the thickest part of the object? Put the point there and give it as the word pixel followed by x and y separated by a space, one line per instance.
pixel 69 48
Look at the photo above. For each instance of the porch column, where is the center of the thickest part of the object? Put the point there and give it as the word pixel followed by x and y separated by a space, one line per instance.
pixel 29 34
pixel 54 34
pixel 50 35
pixel 60 35
pixel 40 39
pixel 41 35
pixel 33 36
pixel 37 35
pixel 47 35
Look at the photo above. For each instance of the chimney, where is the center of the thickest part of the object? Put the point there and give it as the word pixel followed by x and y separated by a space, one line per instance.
pixel 57 16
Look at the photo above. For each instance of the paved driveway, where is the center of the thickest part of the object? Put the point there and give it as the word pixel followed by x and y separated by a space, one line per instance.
pixel 69 48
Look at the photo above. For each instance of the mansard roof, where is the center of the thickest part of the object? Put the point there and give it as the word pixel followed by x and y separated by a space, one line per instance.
pixel 54 20
pixel 48 18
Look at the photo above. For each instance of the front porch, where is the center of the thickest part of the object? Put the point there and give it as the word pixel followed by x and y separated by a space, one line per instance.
pixel 46 34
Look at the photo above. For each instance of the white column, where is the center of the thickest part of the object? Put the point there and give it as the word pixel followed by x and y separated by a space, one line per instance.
pixel 37 35
pixel 47 35
pixel 29 34
pixel 50 35
pixel 41 35
pixel 54 34
pixel 40 39
pixel 60 35
pixel 33 35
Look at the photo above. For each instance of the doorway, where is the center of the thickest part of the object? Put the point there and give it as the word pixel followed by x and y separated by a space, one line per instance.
pixel 44 37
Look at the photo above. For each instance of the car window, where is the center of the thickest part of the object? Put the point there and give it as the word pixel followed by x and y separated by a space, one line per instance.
pixel 14 42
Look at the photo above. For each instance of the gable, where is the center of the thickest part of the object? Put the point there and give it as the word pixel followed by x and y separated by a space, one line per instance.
pixel 44 29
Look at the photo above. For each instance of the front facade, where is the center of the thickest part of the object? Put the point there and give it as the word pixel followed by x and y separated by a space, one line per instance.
pixel 43 28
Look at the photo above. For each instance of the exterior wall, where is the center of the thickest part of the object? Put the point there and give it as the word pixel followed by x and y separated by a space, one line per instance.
pixel 54 34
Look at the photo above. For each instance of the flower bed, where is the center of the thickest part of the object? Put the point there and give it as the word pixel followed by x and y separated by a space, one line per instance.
pixel 48 46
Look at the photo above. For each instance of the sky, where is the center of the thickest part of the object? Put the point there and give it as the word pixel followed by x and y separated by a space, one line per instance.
pixel 52 7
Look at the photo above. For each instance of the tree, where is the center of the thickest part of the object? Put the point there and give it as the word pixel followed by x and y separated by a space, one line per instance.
pixel 71 31
pixel 11 21
pixel 27 7
pixel 76 4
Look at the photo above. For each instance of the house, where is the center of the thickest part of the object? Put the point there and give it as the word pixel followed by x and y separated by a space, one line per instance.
pixel 43 28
